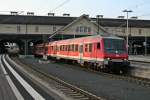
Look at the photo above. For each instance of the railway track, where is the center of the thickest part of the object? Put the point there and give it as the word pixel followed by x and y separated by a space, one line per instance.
pixel 132 79
pixel 129 78
pixel 79 95
pixel 72 92
pixel 146 62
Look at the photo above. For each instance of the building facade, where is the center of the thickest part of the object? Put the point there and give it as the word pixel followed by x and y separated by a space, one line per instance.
pixel 139 30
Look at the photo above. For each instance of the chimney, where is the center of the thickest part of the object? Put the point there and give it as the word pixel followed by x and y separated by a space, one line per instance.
pixel 51 14
pixel 14 13
pixel 99 16
pixel 87 15
pixel 30 13
pixel 134 17
pixel 121 17
pixel 66 14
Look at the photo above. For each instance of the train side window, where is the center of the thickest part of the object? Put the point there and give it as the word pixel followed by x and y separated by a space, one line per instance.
pixel 51 47
pixel 62 47
pixel 98 46
pixel 76 47
pixel 58 48
pixel 67 47
pixel 90 47
pixel 72 47
pixel 86 47
pixel 46 49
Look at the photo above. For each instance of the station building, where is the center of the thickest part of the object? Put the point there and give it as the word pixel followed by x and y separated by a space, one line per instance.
pixel 32 28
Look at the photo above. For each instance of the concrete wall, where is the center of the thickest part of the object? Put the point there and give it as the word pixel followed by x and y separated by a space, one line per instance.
pixel 48 29
pixel 31 29
pixel 133 31
pixel 82 23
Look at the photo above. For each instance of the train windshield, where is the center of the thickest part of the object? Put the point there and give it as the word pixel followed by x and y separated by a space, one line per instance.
pixel 114 46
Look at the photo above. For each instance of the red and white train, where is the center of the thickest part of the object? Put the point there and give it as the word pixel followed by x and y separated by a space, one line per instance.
pixel 102 52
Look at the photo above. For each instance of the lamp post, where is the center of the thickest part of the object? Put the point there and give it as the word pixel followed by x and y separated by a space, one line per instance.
pixel 145 44
pixel 127 33
pixel 98 16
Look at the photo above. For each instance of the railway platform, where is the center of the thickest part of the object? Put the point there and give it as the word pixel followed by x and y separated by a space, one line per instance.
pixel 6 92
pixel 141 58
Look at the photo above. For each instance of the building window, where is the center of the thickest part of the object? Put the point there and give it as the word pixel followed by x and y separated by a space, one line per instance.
pixel 81 29
pixel 54 28
pixel 36 29
pixel 18 28
pixel 106 29
pixel 140 31
pixel 84 29
pixel 77 29
pixel 89 29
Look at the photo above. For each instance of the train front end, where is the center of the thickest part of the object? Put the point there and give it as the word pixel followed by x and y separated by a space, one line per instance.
pixel 115 54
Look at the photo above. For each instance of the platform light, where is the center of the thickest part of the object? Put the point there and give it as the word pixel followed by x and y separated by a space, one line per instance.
pixel 127 33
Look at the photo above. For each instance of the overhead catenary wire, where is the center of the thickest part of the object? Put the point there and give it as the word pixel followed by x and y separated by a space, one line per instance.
pixel 62 4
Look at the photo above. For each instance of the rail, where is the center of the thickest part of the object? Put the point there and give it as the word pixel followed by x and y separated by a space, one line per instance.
pixel 68 89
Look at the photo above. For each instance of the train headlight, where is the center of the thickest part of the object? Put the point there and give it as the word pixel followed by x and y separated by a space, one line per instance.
pixel 108 58
pixel 125 59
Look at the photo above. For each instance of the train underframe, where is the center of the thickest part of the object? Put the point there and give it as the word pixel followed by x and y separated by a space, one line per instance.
pixel 109 66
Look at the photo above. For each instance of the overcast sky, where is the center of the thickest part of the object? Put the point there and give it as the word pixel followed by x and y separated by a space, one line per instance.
pixel 108 8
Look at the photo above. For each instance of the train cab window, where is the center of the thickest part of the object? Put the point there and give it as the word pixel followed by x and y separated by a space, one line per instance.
pixel 98 46
pixel 90 47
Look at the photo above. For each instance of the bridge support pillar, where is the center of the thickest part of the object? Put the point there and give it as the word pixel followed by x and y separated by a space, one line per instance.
pixel 26 46
pixel 130 47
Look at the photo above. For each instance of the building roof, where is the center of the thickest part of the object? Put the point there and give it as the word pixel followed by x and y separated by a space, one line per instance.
pixel 41 20
pixel 61 20
pixel 78 19
pixel 111 22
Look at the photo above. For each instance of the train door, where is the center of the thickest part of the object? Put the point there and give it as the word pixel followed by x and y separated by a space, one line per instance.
pixel 81 54
pixel 55 50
